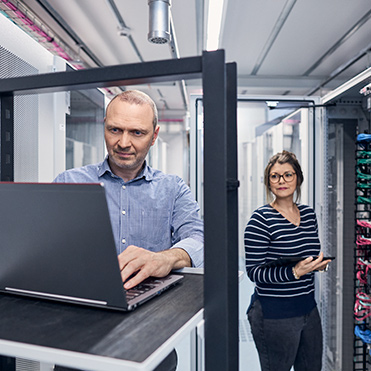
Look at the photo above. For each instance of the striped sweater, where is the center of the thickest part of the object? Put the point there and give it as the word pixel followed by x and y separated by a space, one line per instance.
pixel 268 236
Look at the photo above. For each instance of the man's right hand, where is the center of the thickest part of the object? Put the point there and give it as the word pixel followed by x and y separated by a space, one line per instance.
pixel 143 263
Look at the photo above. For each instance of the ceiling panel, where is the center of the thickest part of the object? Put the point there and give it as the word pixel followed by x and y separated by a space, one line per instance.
pixel 185 22
pixel 348 50
pixel 310 30
pixel 97 27
pixel 248 25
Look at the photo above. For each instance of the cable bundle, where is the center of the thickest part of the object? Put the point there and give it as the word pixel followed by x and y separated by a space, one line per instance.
pixel 362 288
pixel 365 335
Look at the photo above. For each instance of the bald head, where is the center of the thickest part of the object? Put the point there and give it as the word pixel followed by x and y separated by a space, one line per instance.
pixel 136 97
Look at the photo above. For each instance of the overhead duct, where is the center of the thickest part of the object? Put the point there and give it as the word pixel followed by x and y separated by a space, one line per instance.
pixel 159 21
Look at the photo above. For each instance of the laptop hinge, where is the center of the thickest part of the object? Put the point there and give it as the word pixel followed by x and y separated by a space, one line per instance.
pixel 55 296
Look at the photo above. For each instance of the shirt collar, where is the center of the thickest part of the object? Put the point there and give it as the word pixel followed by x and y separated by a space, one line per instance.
pixel 103 168
pixel 146 173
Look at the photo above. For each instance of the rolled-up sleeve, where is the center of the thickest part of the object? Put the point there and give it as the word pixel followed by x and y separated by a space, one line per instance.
pixel 187 226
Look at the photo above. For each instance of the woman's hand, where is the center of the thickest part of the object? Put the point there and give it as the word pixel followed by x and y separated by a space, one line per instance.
pixel 309 265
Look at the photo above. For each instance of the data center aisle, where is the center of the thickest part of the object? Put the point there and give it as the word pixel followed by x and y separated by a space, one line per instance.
pixel 248 355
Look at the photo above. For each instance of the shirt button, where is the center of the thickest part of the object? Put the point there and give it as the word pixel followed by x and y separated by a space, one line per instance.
pixel 123 240
pixel 123 187
pixel 123 212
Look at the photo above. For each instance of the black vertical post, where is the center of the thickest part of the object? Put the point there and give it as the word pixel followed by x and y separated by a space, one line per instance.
pixel 7 363
pixel 221 341
pixel 232 218
pixel 7 172
pixel 7 138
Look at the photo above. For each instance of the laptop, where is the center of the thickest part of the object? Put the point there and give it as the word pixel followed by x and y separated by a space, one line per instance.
pixel 56 243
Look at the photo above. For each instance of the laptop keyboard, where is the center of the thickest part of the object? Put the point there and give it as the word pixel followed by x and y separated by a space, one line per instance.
pixel 141 289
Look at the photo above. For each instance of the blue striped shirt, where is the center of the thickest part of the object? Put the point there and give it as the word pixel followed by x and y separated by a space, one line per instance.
pixel 154 211
pixel 268 236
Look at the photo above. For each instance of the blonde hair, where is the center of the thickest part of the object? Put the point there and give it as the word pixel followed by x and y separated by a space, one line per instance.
pixel 284 157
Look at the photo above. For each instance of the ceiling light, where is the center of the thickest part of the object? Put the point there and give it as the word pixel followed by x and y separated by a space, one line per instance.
pixel 159 21
pixel 214 24
pixel 272 104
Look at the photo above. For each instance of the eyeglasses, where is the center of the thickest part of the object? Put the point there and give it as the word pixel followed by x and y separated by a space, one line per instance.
pixel 287 177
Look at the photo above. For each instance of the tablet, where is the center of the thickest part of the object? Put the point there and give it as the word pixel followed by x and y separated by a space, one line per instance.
pixel 292 260
pixel 283 261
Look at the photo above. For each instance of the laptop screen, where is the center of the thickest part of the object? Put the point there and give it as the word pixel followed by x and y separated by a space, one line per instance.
pixel 56 241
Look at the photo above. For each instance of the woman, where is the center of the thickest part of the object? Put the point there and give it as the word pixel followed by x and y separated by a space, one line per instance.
pixel 283 313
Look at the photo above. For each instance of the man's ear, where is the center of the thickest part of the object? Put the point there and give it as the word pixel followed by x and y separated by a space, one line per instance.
pixel 155 135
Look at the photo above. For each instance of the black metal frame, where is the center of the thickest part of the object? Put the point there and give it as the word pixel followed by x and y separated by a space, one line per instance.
pixel 7 138
pixel 220 173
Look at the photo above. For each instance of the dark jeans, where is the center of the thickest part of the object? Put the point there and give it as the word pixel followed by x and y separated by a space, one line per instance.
pixel 283 343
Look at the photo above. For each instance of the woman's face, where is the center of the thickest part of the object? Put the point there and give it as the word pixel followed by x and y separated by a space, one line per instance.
pixel 283 188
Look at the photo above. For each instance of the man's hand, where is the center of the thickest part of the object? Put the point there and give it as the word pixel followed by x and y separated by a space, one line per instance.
pixel 309 265
pixel 144 263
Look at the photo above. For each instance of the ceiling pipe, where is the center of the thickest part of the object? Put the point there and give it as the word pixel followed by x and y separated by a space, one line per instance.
pixel 175 54
pixel 66 28
pixel 272 37
pixel 341 41
pixel 200 5
pixel 364 52
pixel 122 28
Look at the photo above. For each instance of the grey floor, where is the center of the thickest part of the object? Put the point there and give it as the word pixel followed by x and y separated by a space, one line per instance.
pixel 248 355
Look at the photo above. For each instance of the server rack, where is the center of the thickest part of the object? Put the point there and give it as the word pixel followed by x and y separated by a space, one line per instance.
pixel 362 255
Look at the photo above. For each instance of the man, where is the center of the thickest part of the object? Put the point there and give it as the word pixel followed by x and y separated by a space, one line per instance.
pixel 154 218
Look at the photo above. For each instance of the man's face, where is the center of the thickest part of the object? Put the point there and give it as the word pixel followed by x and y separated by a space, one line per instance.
pixel 129 134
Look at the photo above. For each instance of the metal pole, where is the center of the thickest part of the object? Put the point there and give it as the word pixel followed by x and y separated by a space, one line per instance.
pixel 220 282
pixel 7 138
pixel 232 218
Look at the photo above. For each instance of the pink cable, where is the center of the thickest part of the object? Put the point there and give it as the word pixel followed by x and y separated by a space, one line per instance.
pixel 360 278
pixel 362 223
pixel 363 241
pixel 359 310
pixel 31 25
